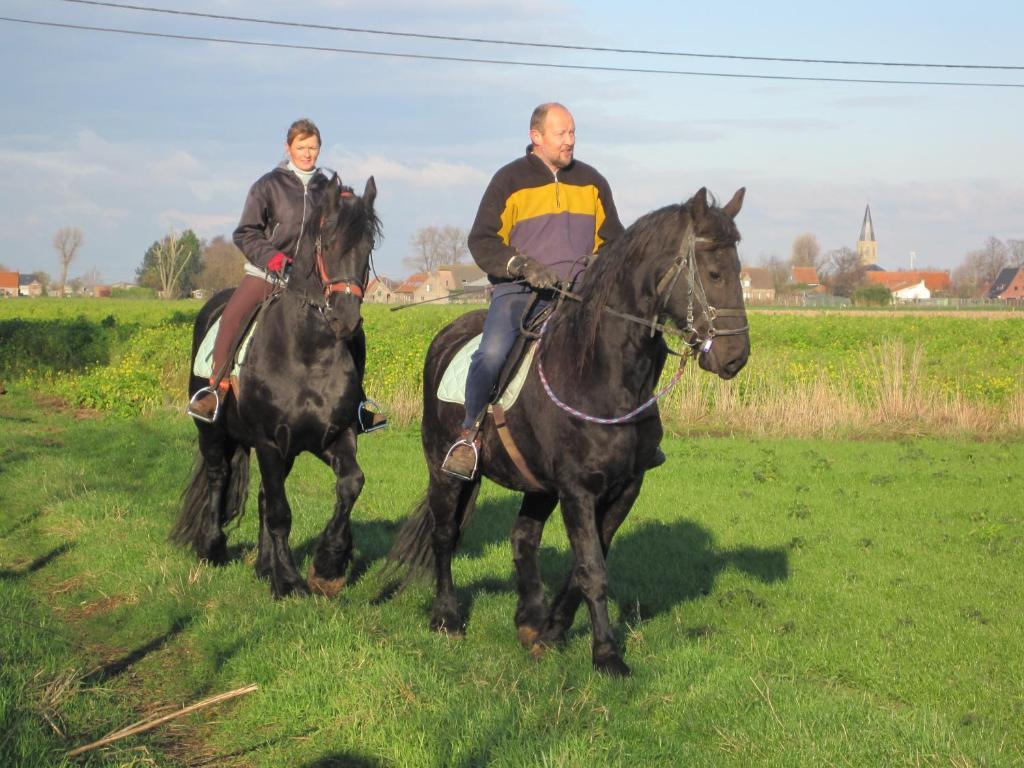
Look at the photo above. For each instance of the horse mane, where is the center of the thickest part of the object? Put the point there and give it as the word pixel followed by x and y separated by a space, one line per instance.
pixel 652 235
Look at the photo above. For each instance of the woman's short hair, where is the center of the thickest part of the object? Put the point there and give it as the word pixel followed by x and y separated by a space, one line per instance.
pixel 302 128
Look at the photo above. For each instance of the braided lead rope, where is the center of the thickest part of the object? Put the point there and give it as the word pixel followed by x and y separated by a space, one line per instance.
pixel 597 419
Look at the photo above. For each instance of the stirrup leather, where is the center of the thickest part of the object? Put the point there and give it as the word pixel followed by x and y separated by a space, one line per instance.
pixel 198 396
pixel 476 460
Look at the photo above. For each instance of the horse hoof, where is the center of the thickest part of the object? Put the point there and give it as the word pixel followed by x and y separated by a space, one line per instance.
pixel 527 636
pixel 613 666
pixel 449 627
pixel 297 588
pixel 539 648
pixel 325 587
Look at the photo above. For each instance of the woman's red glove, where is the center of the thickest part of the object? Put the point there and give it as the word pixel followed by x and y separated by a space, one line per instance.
pixel 277 262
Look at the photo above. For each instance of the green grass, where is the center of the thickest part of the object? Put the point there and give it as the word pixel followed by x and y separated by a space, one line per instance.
pixel 782 602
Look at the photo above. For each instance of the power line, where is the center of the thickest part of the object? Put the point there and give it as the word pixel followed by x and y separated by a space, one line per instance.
pixel 525 44
pixel 504 62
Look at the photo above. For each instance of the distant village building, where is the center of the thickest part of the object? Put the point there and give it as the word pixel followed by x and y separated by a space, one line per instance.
pixel 405 292
pixel 381 290
pixel 28 285
pixel 9 284
pixel 1008 285
pixel 933 282
pixel 758 285
pixel 867 248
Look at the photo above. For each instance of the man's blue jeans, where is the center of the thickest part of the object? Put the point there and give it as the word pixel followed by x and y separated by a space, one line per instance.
pixel 504 317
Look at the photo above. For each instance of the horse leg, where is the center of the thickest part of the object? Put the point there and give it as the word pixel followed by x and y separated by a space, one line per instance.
pixel 334 550
pixel 526 535
pixel 277 518
pixel 203 515
pixel 451 501
pixel 606 655
pixel 264 562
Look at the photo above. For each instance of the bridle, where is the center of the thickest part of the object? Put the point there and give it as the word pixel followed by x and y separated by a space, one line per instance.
pixel 332 285
pixel 685 262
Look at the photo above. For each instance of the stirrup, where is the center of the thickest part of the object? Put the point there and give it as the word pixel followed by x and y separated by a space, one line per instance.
pixel 476 460
pixel 361 415
pixel 196 397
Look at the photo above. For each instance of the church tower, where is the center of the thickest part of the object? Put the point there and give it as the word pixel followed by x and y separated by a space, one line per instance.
pixel 867 248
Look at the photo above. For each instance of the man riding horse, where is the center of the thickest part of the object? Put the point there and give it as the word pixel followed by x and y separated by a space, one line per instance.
pixel 543 217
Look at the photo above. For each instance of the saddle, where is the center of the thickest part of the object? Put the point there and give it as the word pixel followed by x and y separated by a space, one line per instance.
pixel 202 366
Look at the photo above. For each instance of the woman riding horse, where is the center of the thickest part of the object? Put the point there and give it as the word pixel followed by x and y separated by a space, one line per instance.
pixel 277 213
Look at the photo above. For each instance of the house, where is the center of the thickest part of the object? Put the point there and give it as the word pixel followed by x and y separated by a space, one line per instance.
pixel 29 286
pixel 9 284
pixel 935 282
pixel 804 276
pixel 909 290
pixel 381 290
pixel 406 291
pixel 1008 285
pixel 758 285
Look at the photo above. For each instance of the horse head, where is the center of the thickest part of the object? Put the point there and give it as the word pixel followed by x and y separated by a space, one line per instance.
pixel 347 233
pixel 701 290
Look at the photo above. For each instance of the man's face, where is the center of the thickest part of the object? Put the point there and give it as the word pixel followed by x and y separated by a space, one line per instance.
pixel 554 144
pixel 303 152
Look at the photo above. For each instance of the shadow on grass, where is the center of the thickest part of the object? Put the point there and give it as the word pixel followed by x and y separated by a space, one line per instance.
pixel 343 760
pixel 40 562
pixel 118 666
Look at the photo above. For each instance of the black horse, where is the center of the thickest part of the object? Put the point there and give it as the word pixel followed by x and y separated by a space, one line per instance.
pixel 298 390
pixel 601 357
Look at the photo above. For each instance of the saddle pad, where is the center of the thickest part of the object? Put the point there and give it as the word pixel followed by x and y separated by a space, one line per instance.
pixel 452 388
pixel 202 366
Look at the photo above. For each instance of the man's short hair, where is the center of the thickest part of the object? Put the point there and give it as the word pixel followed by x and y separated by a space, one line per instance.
pixel 541 113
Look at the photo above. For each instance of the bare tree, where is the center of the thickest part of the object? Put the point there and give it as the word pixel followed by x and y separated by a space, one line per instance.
pixel 778 268
pixel 980 268
pixel 1016 248
pixel 172 256
pixel 66 241
pixel 806 252
pixel 436 246
pixel 844 272
pixel 223 265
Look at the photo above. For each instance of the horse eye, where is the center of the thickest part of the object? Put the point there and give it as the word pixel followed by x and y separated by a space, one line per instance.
pixel 715 275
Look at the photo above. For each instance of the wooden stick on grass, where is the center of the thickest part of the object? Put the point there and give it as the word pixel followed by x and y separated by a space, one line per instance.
pixel 148 725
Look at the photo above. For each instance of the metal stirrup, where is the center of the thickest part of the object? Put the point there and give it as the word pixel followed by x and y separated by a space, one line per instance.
pixel 476 460
pixel 196 397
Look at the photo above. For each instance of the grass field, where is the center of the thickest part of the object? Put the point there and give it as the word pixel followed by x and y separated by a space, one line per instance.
pixel 822 375
pixel 783 602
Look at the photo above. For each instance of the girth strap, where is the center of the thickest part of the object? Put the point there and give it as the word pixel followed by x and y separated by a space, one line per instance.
pixel 505 435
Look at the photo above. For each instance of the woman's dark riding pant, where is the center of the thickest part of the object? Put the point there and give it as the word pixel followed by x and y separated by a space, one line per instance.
pixel 250 292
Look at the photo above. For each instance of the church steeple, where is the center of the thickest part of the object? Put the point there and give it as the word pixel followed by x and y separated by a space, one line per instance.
pixel 867 248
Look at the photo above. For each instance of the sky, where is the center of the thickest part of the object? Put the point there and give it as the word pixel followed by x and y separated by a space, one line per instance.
pixel 128 137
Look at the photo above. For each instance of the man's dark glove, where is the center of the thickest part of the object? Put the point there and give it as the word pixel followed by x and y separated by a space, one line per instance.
pixel 532 271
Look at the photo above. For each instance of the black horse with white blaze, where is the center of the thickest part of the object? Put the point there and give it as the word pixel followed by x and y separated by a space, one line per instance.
pixel 298 390
pixel 601 358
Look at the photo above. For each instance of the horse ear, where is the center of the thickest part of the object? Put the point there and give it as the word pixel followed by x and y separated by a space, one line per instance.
pixel 733 206
pixel 699 202
pixel 370 193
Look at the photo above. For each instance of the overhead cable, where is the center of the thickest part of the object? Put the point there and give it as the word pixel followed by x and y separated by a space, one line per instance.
pixel 504 62
pixel 521 43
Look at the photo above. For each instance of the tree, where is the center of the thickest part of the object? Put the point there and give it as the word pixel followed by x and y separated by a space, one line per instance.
pixel 436 246
pixel 67 241
pixel 44 280
pixel 872 294
pixel 1016 248
pixel 844 272
pixel 980 268
pixel 171 265
pixel 806 252
pixel 779 270
pixel 222 265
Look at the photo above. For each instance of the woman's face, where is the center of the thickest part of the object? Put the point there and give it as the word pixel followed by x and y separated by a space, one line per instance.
pixel 303 152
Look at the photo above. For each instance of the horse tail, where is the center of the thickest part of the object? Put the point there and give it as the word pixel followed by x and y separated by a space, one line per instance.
pixel 413 550
pixel 191 525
